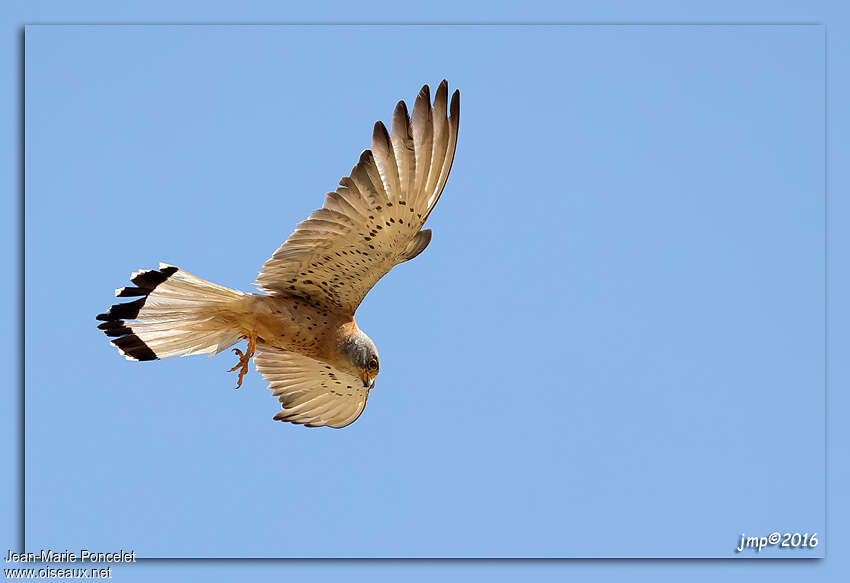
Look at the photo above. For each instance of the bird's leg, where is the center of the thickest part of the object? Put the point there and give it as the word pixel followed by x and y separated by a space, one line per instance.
pixel 245 357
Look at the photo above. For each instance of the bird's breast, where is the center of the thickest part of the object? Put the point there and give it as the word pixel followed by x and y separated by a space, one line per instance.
pixel 292 324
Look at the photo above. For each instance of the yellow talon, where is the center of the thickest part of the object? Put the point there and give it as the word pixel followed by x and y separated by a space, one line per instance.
pixel 244 357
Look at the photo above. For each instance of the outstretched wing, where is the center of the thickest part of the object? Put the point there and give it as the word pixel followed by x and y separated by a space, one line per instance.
pixel 372 221
pixel 311 392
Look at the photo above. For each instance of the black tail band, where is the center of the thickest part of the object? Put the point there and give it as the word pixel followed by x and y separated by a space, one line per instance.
pixel 113 320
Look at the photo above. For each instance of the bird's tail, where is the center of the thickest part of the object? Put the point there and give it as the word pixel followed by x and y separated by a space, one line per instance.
pixel 177 314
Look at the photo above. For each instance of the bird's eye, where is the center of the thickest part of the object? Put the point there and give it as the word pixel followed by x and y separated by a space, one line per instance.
pixel 373 364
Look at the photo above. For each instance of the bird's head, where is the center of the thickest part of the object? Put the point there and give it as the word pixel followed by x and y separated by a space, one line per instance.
pixel 361 357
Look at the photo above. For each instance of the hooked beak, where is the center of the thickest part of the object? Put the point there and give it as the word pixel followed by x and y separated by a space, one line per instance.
pixel 368 379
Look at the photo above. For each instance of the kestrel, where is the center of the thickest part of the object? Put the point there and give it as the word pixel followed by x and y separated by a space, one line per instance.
pixel 308 347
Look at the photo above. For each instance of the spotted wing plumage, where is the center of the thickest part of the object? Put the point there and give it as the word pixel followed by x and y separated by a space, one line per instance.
pixel 372 221
pixel 311 392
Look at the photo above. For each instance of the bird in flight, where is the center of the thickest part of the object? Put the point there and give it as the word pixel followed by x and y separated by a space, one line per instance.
pixel 308 347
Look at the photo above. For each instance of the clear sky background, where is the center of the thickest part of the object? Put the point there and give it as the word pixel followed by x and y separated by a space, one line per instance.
pixel 618 327
pixel 618 347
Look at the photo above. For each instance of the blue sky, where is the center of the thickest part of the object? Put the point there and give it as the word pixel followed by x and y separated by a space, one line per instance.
pixel 621 311
pixel 677 339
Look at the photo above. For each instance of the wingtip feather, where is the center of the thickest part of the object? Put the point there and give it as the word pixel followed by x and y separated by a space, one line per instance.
pixel 400 109
pixel 380 132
